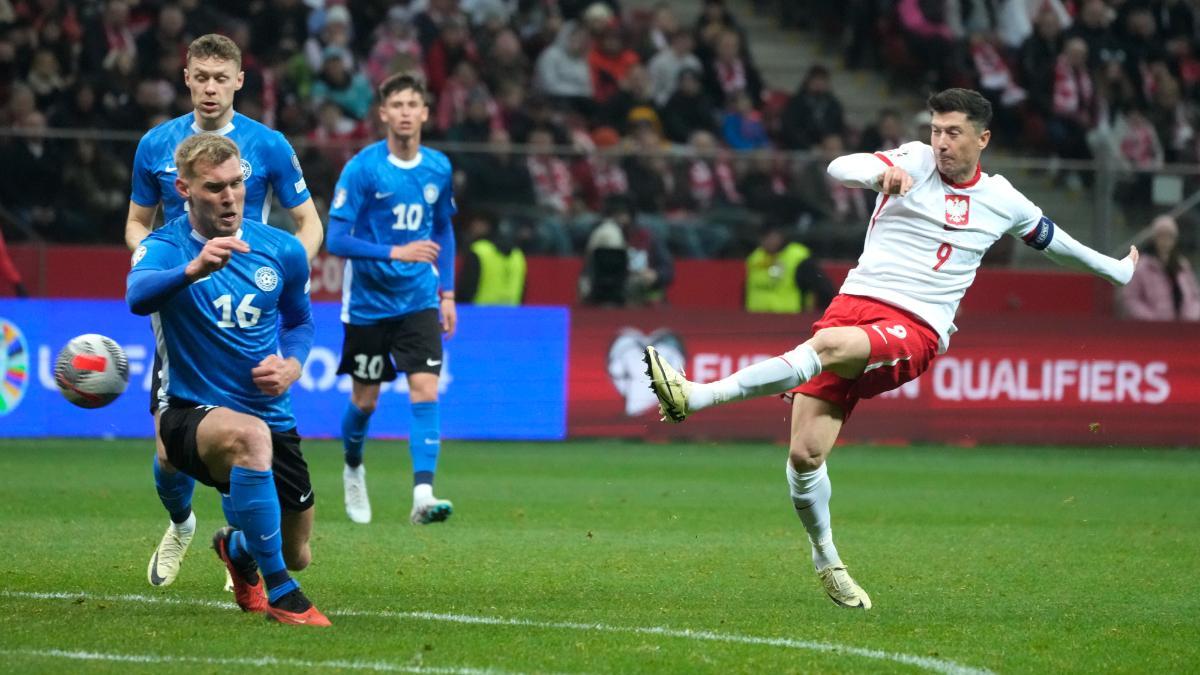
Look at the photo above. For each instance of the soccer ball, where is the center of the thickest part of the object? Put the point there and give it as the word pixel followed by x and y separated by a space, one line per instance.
pixel 91 371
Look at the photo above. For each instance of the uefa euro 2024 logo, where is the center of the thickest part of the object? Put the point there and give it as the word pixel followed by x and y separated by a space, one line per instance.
pixel 14 366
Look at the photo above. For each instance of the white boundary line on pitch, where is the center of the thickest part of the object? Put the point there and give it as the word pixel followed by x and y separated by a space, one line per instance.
pixel 260 661
pixel 924 662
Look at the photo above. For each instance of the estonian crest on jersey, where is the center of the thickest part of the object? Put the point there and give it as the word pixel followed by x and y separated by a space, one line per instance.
pixel 266 279
pixel 247 171
pixel 958 210
pixel 431 193
pixel 339 198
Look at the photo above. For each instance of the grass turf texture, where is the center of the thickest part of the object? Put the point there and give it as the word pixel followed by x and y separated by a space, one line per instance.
pixel 1012 560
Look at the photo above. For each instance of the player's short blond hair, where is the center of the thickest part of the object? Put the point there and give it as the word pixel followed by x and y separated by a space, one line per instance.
pixel 212 149
pixel 215 47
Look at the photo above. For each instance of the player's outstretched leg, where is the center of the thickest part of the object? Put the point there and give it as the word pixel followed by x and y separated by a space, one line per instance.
pixel 669 385
pixel 678 397
pixel 354 474
pixel 424 444
pixel 175 492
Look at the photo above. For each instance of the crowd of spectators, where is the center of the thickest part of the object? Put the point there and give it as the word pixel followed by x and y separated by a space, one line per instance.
pixel 1109 79
pixel 550 107
pixel 602 98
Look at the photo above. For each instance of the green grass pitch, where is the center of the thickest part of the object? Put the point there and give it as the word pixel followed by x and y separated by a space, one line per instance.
pixel 601 557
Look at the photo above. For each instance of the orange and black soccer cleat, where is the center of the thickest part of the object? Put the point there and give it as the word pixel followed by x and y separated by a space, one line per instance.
pixel 250 596
pixel 296 609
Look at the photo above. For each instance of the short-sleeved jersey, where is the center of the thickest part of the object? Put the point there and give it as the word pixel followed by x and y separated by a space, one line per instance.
pixel 217 329
pixel 922 249
pixel 393 202
pixel 269 166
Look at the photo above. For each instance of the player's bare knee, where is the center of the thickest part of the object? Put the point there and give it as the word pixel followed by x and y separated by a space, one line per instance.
pixel 423 389
pixel 297 559
pixel 366 401
pixel 829 344
pixel 250 445
pixel 804 455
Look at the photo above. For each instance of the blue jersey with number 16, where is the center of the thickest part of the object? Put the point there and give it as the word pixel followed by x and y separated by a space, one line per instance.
pixel 218 328
pixel 384 201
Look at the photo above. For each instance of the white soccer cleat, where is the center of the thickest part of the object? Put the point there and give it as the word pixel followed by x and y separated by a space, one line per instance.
pixel 358 506
pixel 228 582
pixel 841 587
pixel 669 386
pixel 164 564
pixel 431 511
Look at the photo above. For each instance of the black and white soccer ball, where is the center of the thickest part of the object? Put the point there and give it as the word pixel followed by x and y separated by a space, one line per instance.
pixel 91 371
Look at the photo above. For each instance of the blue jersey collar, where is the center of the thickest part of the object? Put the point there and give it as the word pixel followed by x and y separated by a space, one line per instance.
pixel 410 164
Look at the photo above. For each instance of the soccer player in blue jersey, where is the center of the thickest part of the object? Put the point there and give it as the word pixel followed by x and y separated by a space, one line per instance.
pixel 231 298
pixel 390 219
pixel 269 167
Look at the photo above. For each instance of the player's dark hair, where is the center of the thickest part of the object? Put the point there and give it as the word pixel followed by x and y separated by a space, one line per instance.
pixel 400 82
pixel 967 101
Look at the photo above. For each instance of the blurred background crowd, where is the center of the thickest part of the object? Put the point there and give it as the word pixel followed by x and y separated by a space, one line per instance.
pixel 559 114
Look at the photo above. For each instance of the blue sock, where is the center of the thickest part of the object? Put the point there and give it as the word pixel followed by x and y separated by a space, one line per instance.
pixel 238 551
pixel 354 434
pixel 256 506
pixel 174 491
pixel 227 508
pixel 424 440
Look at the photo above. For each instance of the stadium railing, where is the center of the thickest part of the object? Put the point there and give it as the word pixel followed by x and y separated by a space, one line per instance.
pixel 704 204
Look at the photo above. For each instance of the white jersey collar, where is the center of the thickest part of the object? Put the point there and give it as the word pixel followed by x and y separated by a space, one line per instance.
pixel 203 239
pixel 410 164
pixel 223 131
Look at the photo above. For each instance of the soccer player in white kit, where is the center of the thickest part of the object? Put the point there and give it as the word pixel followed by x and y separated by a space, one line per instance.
pixel 937 213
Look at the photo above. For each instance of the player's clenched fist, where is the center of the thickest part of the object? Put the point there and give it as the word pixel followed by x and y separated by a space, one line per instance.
pixel 417 251
pixel 895 181
pixel 273 375
pixel 214 256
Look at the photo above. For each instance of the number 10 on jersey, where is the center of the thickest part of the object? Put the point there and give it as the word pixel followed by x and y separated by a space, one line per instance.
pixel 408 216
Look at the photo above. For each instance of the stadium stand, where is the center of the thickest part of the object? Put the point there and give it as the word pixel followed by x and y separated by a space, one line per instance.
pixel 667 101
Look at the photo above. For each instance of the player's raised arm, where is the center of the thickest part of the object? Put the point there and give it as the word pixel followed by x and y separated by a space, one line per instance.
pixel 860 170
pixel 892 172
pixel 1063 249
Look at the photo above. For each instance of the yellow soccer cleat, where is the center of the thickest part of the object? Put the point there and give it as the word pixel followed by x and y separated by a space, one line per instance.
pixel 668 385
pixel 841 587
pixel 167 558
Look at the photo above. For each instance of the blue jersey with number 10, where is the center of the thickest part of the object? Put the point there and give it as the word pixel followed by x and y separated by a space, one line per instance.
pixel 269 165
pixel 387 201
pixel 217 329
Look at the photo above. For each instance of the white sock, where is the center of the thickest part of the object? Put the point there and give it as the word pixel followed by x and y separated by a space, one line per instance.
pixel 422 493
pixel 773 376
pixel 810 496
pixel 186 527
